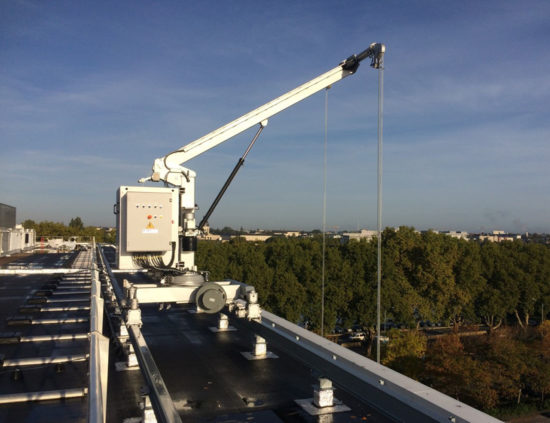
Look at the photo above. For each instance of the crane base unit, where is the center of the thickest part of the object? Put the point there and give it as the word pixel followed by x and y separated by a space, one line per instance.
pixel 156 227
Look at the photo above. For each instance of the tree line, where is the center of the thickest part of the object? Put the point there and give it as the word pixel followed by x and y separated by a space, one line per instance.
pixel 425 277
pixel 505 373
pixel 75 227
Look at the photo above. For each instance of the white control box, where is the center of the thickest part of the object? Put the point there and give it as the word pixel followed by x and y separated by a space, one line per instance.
pixel 147 222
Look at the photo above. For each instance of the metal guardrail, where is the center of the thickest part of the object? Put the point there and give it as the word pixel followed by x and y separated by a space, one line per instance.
pixel 98 356
pixel 162 403
pixel 99 350
pixel 393 394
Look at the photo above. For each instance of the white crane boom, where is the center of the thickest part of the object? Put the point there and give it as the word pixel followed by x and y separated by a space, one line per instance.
pixel 154 232
pixel 167 168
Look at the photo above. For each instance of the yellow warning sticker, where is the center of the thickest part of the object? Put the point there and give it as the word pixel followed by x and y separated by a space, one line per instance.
pixel 150 229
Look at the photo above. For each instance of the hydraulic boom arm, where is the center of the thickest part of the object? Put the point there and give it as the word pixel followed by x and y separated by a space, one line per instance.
pixel 168 232
pixel 168 168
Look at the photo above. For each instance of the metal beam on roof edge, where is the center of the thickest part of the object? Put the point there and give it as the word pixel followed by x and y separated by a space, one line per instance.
pixel 393 394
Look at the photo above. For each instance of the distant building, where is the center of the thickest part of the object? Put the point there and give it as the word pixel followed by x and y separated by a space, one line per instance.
pixel 253 237
pixel 206 235
pixel 292 234
pixel 13 238
pixel 497 236
pixel 104 228
pixel 363 234
pixel 7 216
pixel 456 234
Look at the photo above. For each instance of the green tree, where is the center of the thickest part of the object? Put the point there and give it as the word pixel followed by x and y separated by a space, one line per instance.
pixel 360 256
pixel 500 295
pixel 76 224
pixel 469 284
pixel 29 224
pixel 505 357
pixel 405 351
pixel 400 298
pixel 433 277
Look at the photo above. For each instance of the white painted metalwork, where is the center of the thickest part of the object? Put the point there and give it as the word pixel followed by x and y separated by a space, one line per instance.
pixel 323 394
pixel 99 372
pixel 167 167
pixel 260 346
pixel 65 300
pixel 63 309
pixel 73 291
pixel 43 396
pixel 60 321
pixel 96 315
pixel 36 271
pixel 58 337
pixel 169 170
pixel 163 167
pixel 33 361
pixel 223 322
pixel 165 409
pixel 394 394
pixel 99 349
pixel 157 293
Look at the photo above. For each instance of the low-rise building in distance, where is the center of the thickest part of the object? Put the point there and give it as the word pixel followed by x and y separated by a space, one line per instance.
pixel 496 236
pixel 363 234
pixel 456 234
pixel 13 238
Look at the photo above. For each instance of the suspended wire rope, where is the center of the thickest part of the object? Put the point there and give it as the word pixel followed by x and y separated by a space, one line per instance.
pixel 379 211
pixel 325 161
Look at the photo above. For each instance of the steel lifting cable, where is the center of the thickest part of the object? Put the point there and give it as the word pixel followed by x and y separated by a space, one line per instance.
pixel 324 216
pixel 379 205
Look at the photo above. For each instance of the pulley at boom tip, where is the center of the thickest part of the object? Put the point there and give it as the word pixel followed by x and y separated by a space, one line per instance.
pixel 375 52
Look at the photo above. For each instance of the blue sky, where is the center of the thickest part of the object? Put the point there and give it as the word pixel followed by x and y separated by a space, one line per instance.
pixel 92 92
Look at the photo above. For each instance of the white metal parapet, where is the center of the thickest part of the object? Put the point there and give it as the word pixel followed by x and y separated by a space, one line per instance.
pixel 99 349
pixel 395 395
pixel 165 410
pixel 86 276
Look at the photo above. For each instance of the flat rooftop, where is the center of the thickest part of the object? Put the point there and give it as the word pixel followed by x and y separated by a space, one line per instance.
pixel 208 377
pixel 17 293
pixel 208 374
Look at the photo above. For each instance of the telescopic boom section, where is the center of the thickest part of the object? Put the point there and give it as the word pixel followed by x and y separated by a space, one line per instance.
pixel 170 164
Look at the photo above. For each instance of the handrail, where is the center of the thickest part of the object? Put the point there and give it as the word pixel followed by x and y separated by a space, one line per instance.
pixel 393 394
pixel 99 349
pixel 162 403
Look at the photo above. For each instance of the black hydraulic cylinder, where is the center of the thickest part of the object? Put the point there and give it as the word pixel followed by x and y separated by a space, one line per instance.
pixel 229 180
pixel 221 193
